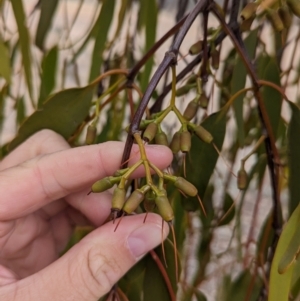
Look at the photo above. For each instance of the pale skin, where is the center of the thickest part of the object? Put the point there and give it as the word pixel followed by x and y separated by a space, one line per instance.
pixel 43 195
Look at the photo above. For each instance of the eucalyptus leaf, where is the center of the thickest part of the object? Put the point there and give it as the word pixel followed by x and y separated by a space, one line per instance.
pixel 5 69
pixel 63 113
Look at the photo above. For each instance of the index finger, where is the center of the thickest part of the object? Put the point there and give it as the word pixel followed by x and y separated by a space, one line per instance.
pixel 31 185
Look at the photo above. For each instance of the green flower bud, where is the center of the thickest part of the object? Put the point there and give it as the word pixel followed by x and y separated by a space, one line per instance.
pixel 164 208
pixel 203 134
pixel 90 134
pixel 242 178
pixel 133 201
pixel 150 131
pixel 248 11
pixel 185 141
pixel 185 186
pixel 185 89
pixel 196 48
pixel 175 143
pixel 191 109
pixel 102 185
pixel 203 101
pixel 161 139
pixel 246 24
pixel 149 201
pixel 118 199
pixel 215 59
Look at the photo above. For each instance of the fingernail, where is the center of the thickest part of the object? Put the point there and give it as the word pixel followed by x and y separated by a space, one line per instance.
pixel 144 239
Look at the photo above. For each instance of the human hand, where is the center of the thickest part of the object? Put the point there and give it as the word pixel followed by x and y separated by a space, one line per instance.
pixel 43 195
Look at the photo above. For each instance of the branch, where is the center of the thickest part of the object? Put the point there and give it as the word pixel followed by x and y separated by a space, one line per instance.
pixel 169 59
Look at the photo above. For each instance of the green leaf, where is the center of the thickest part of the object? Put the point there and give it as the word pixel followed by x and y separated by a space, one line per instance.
pixel 155 287
pixel 272 98
pixel 245 287
pixel 48 75
pixel 47 12
pixel 203 157
pixel 19 13
pixel 294 158
pixel 103 24
pixel 5 69
pixel 238 82
pixel 148 13
pixel 20 107
pixel 63 113
pixel 280 284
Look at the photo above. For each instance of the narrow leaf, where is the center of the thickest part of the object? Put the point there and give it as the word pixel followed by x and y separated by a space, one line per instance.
pixel 5 69
pixel 103 24
pixel 48 75
pixel 238 82
pixel 20 17
pixel 63 113
pixel 280 284
pixel 47 12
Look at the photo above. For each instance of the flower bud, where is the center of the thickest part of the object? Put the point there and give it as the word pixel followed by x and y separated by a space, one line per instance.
pixel 191 109
pixel 90 134
pixel 185 89
pixel 185 141
pixel 161 139
pixel 175 143
pixel 246 24
pixel 150 131
pixel 215 59
pixel 203 101
pixel 164 208
pixel 248 11
pixel 185 186
pixel 196 48
pixel 149 201
pixel 102 185
pixel 242 178
pixel 133 201
pixel 203 134
pixel 118 199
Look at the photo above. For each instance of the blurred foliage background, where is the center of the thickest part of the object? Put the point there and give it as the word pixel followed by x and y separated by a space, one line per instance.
pixel 67 65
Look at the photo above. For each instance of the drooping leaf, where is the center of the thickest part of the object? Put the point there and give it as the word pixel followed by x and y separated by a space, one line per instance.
pixel 238 82
pixel 48 75
pixel 63 113
pixel 294 158
pixel 272 98
pixel 148 13
pixel 5 69
pixel 103 24
pixel 280 284
pixel 20 107
pixel 246 287
pixel 203 157
pixel 24 39
pixel 47 12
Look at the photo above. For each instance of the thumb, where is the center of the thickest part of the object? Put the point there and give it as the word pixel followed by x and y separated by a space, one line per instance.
pixel 96 263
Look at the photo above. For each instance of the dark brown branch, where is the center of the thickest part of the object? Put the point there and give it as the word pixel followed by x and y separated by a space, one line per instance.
pixel 273 159
pixel 169 59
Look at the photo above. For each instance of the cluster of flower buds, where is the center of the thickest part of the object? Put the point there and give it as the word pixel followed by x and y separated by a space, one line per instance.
pixel 279 14
pixel 153 196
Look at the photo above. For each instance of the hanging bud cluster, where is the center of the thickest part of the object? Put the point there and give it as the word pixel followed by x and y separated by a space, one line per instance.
pixel 280 14
pixel 152 196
